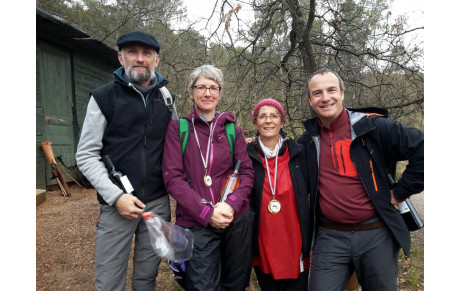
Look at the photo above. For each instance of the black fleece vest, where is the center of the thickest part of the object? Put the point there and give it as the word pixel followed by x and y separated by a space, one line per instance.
pixel 134 136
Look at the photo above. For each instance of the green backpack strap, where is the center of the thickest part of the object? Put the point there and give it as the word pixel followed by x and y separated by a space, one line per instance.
pixel 183 133
pixel 231 135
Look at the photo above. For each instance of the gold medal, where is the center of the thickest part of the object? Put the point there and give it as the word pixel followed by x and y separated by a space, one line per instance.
pixel 274 206
pixel 207 180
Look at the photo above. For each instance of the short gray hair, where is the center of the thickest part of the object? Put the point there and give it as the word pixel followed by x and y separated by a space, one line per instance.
pixel 208 72
pixel 322 72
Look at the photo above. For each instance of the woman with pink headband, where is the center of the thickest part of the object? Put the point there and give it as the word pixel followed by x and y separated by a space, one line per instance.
pixel 283 229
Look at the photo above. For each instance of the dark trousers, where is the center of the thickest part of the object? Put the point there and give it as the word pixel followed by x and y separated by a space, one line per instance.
pixel 268 283
pixel 221 258
pixel 372 253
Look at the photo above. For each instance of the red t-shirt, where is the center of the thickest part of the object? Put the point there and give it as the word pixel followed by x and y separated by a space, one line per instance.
pixel 280 241
pixel 342 198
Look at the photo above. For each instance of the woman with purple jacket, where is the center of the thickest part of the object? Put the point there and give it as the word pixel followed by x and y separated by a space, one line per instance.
pixel 222 231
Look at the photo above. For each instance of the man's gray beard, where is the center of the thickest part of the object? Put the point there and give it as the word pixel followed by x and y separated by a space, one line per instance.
pixel 140 77
pixel 135 76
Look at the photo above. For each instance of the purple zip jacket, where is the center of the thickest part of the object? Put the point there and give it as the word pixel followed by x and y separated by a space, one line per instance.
pixel 191 211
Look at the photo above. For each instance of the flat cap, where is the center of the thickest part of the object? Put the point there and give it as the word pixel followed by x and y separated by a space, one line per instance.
pixel 137 36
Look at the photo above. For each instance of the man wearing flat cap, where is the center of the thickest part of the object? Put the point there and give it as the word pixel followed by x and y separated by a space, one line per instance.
pixel 126 120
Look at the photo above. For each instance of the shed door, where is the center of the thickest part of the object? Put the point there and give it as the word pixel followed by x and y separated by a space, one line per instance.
pixel 56 93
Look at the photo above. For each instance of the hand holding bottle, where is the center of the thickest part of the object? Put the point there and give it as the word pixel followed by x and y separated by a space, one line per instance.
pixel 393 200
pixel 407 210
pixel 129 206
pixel 222 215
pixel 226 209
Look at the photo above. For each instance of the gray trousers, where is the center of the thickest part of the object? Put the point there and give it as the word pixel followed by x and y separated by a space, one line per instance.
pixel 114 235
pixel 372 253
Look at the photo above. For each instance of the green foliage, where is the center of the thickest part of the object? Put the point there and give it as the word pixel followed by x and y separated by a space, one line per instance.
pixel 411 276
pixel 286 42
pixel 415 272
pixel 107 20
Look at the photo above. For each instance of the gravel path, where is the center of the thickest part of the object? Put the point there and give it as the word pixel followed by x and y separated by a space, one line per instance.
pixel 65 244
pixel 418 202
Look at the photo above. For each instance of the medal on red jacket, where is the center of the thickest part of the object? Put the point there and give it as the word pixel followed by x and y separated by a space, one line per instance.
pixel 274 206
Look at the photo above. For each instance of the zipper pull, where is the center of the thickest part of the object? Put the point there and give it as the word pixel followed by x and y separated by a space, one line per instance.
pixel 207 202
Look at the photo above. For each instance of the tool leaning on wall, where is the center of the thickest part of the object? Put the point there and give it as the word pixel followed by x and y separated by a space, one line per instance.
pixel 48 151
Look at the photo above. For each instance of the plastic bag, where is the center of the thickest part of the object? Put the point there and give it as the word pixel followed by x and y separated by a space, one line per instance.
pixel 169 240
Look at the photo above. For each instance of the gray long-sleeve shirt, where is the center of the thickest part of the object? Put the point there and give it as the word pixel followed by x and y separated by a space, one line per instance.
pixel 88 154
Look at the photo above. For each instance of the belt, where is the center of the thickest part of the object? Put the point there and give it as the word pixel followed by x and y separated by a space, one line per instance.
pixel 353 227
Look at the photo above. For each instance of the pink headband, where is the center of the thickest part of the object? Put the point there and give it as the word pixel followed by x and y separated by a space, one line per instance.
pixel 269 102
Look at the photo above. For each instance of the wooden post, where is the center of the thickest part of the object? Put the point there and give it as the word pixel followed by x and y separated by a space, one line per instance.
pixel 48 151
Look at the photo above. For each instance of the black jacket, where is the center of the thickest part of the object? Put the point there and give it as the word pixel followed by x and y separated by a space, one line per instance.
pixel 135 133
pixel 298 170
pixel 383 142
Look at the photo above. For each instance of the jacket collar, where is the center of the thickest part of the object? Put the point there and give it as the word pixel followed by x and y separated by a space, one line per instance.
pixel 224 116
pixel 359 123
pixel 294 149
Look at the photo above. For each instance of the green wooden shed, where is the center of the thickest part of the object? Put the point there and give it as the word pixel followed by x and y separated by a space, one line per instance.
pixel 69 63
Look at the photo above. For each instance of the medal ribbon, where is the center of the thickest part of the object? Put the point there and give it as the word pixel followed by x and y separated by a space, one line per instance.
pixel 273 189
pixel 211 132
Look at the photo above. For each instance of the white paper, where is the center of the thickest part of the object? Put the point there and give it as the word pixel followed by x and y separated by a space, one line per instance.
pixel 403 208
pixel 124 180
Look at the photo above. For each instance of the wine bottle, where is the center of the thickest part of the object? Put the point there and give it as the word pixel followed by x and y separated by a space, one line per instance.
pixel 231 183
pixel 117 176
pixel 407 210
pixel 410 215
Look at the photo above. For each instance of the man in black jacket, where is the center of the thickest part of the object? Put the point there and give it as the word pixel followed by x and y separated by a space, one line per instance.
pixel 127 120
pixel 358 226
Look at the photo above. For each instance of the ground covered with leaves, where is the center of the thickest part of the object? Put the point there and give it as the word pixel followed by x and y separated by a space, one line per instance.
pixel 65 228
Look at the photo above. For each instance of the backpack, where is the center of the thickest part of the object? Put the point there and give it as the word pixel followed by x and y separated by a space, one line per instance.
pixel 169 102
pixel 184 134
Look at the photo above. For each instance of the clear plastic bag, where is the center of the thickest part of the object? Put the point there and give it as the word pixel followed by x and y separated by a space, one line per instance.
pixel 169 240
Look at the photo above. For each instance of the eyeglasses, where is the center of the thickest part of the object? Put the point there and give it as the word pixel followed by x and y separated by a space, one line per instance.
pixel 202 89
pixel 263 117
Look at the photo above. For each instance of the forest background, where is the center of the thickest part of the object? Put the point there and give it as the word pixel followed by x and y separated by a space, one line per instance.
pixel 378 56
